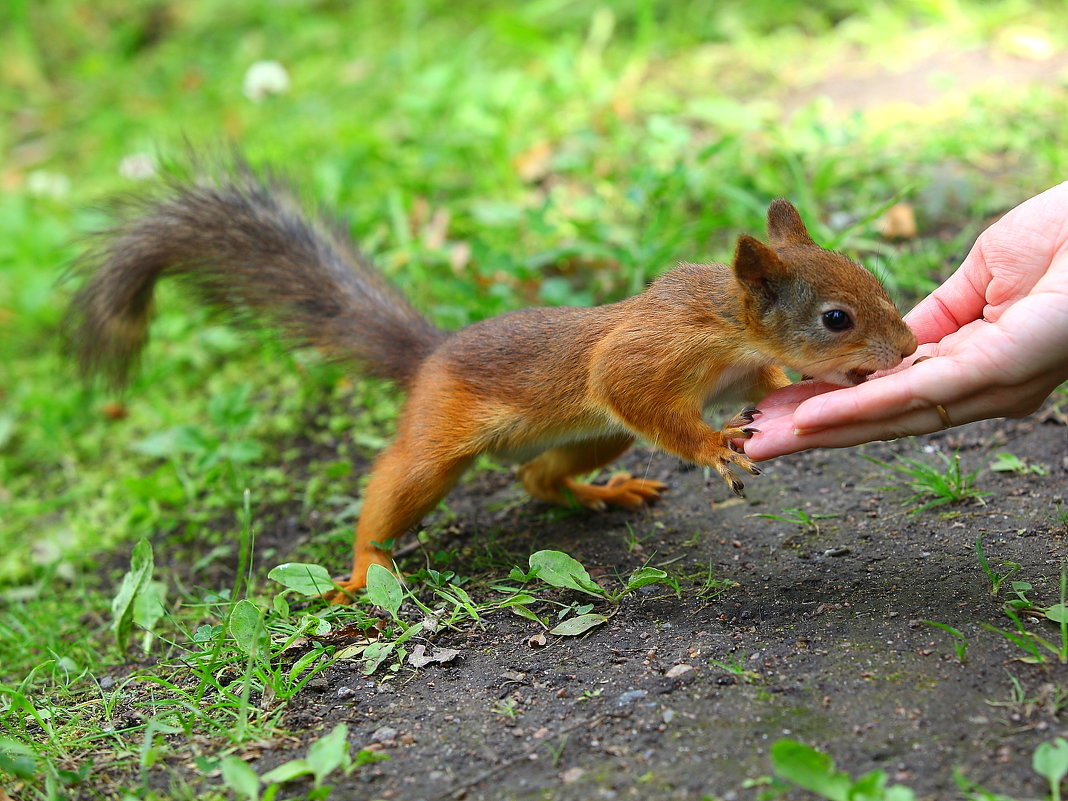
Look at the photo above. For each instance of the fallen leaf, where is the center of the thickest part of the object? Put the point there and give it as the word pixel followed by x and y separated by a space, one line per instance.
pixel 574 626
pixel 420 658
pixel 899 222
pixel 352 651
pixel 114 410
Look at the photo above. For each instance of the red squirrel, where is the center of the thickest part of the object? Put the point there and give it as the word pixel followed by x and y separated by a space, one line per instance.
pixel 562 390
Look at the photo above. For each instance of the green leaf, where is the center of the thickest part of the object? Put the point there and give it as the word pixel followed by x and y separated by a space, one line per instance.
pixel 160 445
pixel 329 752
pixel 515 574
pixel 643 576
pixel 557 569
pixel 133 584
pixel 17 759
pixel 149 605
pixel 1050 761
pixel 287 771
pixel 899 793
pixel 375 654
pixel 574 626
pixel 246 626
pixel 809 769
pixel 519 599
pixel 522 611
pixel 7 429
pixel 240 778
pixel 1058 613
pixel 303 578
pixel 1007 463
pixel 384 589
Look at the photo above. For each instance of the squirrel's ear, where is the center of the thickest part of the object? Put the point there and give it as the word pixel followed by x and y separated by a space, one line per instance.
pixel 784 223
pixel 755 263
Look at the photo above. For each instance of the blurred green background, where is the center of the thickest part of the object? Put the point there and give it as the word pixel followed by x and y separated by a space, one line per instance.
pixel 489 155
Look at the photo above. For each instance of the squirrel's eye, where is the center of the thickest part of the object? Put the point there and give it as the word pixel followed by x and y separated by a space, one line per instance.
pixel 837 320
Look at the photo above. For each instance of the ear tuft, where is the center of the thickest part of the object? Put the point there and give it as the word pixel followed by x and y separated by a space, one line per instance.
pixel 755 264
pixel 784 223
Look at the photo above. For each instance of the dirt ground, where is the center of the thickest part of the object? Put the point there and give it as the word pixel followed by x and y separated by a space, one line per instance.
pixel 825 626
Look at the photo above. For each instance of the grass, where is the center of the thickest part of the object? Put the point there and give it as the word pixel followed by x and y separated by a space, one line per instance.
pixel 542 152
pixel 797 516
pixel 934 485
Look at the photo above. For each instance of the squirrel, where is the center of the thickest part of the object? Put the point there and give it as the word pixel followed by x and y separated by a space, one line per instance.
pixel 561 390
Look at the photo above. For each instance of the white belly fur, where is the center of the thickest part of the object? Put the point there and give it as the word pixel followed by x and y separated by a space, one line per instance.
pixel 732 387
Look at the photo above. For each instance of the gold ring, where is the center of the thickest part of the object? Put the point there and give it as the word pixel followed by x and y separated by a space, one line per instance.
pixel 944 415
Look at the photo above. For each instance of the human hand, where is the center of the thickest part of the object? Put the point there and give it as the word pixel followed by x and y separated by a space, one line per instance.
pixel 993 343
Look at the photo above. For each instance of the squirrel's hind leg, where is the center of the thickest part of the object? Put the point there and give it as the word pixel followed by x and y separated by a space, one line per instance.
pixel 406 483
pixel 549 476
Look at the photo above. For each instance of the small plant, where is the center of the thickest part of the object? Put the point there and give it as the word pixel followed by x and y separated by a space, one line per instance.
pixel 1060 515
pixel 556 750
pixel 1011 463
pixel 506 708
pixel 1039 649
pixel 799 517
pixel 139 599
pixel 709 586
pixel 996 578
pixel 960 642
pixel 934 486
pixel 557 569
pixel 632 541
pixel 735 665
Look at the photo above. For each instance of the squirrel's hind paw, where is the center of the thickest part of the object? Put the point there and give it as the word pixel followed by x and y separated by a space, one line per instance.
pixel 621 490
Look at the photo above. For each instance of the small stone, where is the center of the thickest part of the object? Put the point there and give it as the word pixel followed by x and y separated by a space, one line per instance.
pixel 384 734
pixel 678 670
pixel 630 697
pixel 572 775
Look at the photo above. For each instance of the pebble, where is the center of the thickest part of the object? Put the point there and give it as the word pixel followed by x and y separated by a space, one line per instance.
pixel 384 734
pixel 630 697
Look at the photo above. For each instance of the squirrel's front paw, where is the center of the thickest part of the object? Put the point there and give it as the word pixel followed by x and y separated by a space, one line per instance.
pixel 726 454
pixel 738 427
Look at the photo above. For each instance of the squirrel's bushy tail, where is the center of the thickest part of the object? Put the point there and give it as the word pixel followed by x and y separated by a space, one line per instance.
pixel 245 246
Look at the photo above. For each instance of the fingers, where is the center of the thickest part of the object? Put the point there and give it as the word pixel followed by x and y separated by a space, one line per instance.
pixel 943 379
pixel 956 303
pixel 779 436
pixel 780 440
